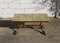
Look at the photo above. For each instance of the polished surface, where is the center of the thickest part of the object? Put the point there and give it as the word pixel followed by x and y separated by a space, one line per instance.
pixel 30 17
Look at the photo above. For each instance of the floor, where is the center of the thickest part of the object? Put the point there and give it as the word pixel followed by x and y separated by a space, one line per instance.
pixel 26 35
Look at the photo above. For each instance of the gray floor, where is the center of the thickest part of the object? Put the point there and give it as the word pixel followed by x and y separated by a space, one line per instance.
pixel 25 35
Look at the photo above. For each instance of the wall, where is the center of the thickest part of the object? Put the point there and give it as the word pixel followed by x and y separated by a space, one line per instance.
pixel 10 7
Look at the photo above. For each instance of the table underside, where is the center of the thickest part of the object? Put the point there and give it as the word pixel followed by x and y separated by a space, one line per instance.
pixel 30 25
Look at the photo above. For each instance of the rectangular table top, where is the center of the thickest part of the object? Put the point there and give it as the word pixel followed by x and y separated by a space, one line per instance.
pixel 30 17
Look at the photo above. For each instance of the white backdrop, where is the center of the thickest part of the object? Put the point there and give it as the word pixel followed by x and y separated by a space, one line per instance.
pixel 10 7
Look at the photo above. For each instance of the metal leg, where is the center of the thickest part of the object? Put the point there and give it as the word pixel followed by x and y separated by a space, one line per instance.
pixel 18 26
pixel 43 32
pixel 15 31
pixel 41 27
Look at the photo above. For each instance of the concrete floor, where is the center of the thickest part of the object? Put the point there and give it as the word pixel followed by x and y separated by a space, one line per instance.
pixel 52 30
